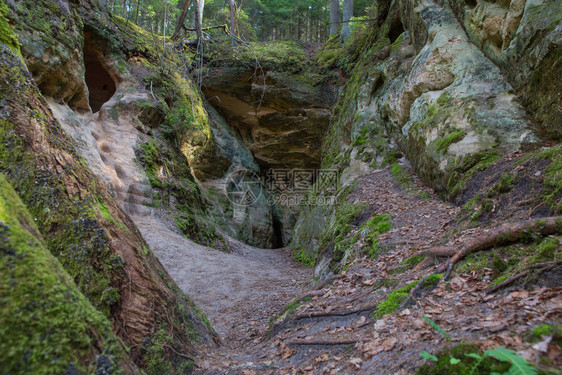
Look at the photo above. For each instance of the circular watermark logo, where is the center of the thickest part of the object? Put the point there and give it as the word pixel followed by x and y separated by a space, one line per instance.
pixel 243 187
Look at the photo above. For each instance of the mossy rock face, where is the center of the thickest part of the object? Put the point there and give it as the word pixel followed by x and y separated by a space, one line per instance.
pixel 527 51
pixel 82 226
pixel 51 39
pixel 48 326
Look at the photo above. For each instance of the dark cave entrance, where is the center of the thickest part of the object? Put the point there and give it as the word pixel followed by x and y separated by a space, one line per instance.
pixel 101 85
pixel 277 232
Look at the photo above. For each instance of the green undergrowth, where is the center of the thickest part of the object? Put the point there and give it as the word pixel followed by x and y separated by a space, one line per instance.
pixel 48 326
pixel 406 182
pixel 303 258
pixel 539 332
pixel 395 298
pixel 466 168
pixel 371 230
pixel 463 359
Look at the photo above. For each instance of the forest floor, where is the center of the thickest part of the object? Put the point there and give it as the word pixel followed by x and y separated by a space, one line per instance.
pixel 335 328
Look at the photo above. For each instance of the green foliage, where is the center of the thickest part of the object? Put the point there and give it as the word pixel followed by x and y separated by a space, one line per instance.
pixel 303 258
pixel 413 260
pixel 401 176
pixel 394 299
pixel 372 229
pixel 467 359
pixel 519 365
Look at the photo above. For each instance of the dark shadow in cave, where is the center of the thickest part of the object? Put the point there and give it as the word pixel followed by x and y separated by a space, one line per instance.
pixel 277 232
pixel 395 30
pixel 101 86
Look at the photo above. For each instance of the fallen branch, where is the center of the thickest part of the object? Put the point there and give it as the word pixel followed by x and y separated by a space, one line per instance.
pixel 507 233
pixel 545 266
pixel 322 342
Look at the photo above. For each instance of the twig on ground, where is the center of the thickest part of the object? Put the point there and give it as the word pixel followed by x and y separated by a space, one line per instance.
pixel 323 342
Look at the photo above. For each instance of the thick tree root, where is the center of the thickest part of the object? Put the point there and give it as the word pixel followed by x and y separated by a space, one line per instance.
pixel 507 233
pixel 504 234
pixel 335 312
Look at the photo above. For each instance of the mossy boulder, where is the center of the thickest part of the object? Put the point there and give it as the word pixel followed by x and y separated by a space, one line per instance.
pixel 48 326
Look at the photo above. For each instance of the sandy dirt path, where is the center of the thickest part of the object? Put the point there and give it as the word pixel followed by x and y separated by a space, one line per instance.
pixel 238 291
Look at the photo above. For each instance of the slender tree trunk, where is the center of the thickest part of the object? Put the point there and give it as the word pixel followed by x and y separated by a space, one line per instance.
pixel 124 8
pixel 199 10
pixel 347 14
pixel 181 18
pixel 233 23
pixel 335 17
pixel 138 9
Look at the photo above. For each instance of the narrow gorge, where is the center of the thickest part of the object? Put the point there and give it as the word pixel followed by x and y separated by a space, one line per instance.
pixel 389 203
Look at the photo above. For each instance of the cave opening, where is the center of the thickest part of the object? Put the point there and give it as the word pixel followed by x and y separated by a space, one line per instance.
pixel 395 30
pixel 101 85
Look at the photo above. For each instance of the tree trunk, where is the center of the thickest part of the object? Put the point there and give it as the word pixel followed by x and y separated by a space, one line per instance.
pixel 138 9
pixel 347 14
pixel 199 9
pixel 181 19
pixel 233 24
pixel 334 16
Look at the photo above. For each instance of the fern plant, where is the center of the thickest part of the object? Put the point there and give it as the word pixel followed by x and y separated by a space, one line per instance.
pixel 474 363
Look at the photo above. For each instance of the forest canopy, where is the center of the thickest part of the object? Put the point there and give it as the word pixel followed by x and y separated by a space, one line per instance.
pixel 252 20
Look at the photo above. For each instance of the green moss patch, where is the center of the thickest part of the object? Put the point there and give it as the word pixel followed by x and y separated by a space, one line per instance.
pixel 394 299
pixel 48 326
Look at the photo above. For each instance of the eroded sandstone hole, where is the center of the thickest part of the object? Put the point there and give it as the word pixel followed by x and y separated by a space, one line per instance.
pixel 101 85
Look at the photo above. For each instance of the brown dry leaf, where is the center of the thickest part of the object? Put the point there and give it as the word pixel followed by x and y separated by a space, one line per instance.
pixel 361 322
pixel 323 358
pixel 434 310
pixel 369 282
pixel 389 343
pixel 248 372
pixel 357 362
pixel 520 295
pixel 286 352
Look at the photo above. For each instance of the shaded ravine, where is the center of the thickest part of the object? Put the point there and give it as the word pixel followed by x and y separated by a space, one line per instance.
pixel 238 291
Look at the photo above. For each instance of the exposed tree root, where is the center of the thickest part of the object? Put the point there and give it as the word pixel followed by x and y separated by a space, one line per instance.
pixel 322 342
pixel 507 233
pixel 504 234
pixel 545 267
pixel 413 292
pixel 335 312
